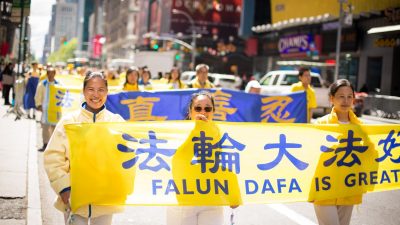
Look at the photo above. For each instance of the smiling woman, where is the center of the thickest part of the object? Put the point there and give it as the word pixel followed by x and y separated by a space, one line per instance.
pixel 56 158
pixel 95 90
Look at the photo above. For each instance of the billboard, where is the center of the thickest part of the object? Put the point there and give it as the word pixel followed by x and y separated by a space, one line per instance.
pixel 299 45
pixel 211 18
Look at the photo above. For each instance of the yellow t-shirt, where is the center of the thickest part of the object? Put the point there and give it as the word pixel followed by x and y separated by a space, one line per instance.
pixel 310 93
pixel 311 99
pixel 332 118
pixel 131 87
pixel 196 84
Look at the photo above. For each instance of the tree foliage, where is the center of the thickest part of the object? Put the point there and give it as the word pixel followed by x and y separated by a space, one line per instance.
pixel 66 51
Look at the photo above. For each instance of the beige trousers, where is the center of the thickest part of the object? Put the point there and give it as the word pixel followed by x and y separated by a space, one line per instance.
pixel 80 220
pixel 47 131
pixel 333 214
pixel 195 215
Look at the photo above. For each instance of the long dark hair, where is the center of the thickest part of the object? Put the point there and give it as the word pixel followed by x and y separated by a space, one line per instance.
pixel 338 84
pixel 194 96
pixel 179 76
pixel 129 71
pixel 146 70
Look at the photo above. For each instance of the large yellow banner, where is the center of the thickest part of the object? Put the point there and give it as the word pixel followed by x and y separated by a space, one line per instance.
pixel 210 163
pixel 290 9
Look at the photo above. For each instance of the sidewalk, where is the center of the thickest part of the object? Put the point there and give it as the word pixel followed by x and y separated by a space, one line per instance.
pixel 19 198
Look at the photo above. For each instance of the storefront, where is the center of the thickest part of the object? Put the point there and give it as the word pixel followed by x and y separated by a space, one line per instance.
pixel 310 46
pixel 379 69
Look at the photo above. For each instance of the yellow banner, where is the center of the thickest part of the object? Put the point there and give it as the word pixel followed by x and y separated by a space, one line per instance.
pixel 291 9
pixel 67 96
pixel 61 101
pixel 199 163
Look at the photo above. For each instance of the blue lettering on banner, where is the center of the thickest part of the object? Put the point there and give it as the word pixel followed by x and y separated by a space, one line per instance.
pixel 151 152
pixel 282 146
pixel 64 99
pixel 251 187
pixel 202 186
pixel 348 149
pixel 370 178
pixel 203 152
pixel 156 184
pixel 279 186
pixel 388 145
pixel 171 187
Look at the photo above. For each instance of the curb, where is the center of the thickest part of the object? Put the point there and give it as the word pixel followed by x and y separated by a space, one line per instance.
pixel 34 210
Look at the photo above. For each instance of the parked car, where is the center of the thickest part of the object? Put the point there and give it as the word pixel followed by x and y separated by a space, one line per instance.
pixel 279 82
pixel 219 80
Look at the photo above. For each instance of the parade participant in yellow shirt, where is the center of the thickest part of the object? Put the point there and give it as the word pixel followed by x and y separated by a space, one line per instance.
pixel 201 80
pixel 131 79
pixel 338 211
pixel 304 85
pixel 174 80
pixel 201 107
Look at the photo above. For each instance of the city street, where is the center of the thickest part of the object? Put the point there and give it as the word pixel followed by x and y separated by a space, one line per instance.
pixel 16 181
pixel 250 64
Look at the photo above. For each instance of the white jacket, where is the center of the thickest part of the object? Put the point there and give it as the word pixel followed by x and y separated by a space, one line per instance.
pixel 56 159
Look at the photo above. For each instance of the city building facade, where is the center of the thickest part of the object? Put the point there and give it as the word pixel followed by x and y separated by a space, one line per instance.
pixel 305 35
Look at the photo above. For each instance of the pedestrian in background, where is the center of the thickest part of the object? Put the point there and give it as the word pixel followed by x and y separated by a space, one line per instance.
pixel 174 80
pixel 42 100
pixel 131 79
pixel 338 211
pixel 56 157
pixel 146 76
pixel 304 85
pixel 201 80
pixel 253 87
pixel 32 80
pixel 8 79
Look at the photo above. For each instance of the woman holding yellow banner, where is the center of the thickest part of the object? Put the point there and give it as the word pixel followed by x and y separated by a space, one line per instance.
pixel 338 211
pixel 57 154
pixel 202 108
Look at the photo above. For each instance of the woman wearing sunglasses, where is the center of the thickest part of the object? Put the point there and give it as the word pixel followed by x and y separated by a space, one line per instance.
pixel 201 107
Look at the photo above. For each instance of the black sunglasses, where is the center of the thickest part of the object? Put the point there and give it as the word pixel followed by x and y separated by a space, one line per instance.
pixel 207 108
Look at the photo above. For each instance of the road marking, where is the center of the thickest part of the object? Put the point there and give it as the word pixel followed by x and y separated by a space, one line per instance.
pixel 34 215
pixel 291 214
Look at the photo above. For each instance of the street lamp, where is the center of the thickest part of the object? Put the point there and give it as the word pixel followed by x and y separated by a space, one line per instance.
pixel 176 11
pixel 348 21
pixel 164 38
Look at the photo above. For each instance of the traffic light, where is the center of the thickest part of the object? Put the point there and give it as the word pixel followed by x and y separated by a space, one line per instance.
pixel 154 45
pixel 178 57
pixel 63 40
